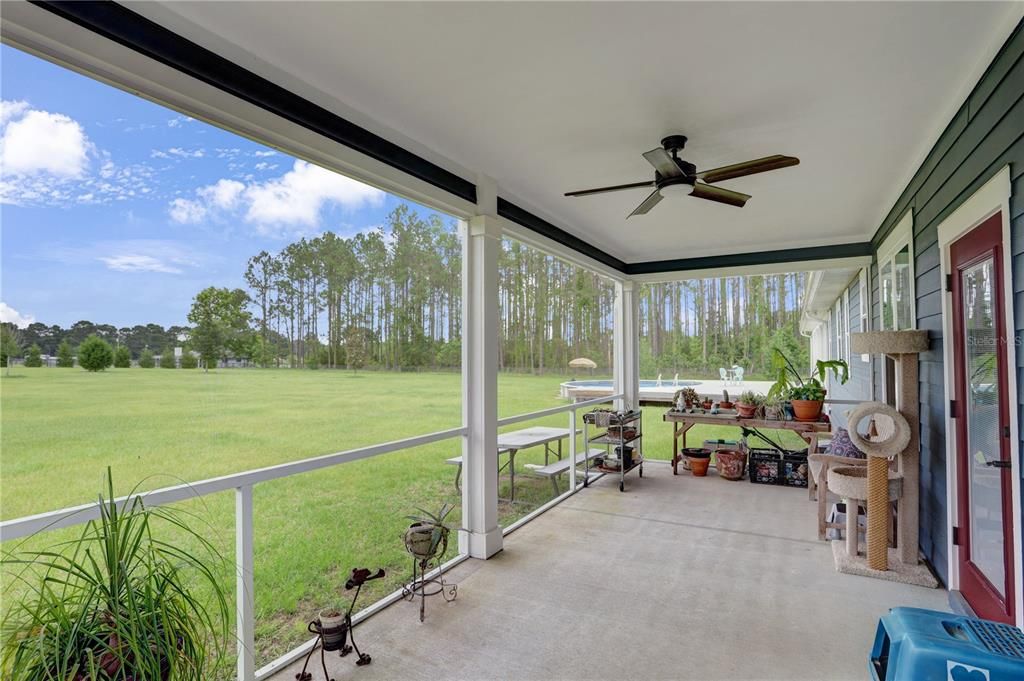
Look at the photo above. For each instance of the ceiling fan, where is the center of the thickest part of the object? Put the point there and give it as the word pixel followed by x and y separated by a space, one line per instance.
pixel 675 177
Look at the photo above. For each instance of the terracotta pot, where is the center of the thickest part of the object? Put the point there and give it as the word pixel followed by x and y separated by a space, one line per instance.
pixel 699 464
pixel 731 463
pixel 746 411
pixel 725 405
pixel 707 404
pixel 807 410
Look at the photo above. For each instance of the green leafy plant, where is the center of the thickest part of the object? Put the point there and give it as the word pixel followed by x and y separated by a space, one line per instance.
pixel 65 356
pixel 751 398
pixel 789 384
pixel 189 361
pixel 146 359
pixel 435 521
pixel 34 358
pixel 167 360
pixel 117 602
pixel 122 357
pixel 95 354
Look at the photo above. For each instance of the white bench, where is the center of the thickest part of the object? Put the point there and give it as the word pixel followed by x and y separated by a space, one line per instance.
pixel 551 471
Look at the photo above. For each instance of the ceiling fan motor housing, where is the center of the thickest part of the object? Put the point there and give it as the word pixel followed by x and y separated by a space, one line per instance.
pixel 674 143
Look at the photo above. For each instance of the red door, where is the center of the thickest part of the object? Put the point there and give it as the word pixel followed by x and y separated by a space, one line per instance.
pixel 985 510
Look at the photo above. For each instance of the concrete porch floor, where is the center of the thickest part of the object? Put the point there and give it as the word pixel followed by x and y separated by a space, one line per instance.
pixel 677 578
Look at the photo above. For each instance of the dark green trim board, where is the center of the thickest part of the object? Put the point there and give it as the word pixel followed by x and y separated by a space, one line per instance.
pixel 123 26
pixel 985 135
pixel 510 211
pixel 760 258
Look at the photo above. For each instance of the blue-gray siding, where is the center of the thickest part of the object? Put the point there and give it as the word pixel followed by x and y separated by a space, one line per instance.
pixel 986 134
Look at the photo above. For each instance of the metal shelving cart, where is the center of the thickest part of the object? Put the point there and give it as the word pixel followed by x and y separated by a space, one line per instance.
pixel 615 427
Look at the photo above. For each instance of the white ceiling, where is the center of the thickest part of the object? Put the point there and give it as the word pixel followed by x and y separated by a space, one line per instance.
pixel 548 98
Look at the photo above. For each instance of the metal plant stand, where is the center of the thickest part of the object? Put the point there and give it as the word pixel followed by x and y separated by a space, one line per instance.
pixel 423 587
pixel 336 638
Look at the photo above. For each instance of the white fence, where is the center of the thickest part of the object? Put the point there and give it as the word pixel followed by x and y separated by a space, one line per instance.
pixel 242 484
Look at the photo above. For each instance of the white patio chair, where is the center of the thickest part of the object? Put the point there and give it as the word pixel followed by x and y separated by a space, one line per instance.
pixel 724 375
pixel 737 375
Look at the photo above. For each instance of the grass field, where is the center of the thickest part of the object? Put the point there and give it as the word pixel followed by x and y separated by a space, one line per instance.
pixel 61 428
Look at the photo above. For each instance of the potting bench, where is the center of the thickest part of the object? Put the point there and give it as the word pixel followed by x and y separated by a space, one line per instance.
pixel 683 421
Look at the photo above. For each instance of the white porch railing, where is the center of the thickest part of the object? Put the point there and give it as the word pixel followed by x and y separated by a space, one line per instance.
pixel 242 483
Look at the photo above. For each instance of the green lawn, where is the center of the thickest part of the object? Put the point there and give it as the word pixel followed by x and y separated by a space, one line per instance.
pixel 61 428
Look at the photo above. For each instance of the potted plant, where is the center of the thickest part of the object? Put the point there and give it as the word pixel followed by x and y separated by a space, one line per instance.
pixel 698 460
pixel 773 409
pixel 806 395
pixel 118 602
pixel 731 463
pixel 428 535
pixel 726 403
pixel 332 627
pixel 690 397
pixel 749 403
pixel 707 403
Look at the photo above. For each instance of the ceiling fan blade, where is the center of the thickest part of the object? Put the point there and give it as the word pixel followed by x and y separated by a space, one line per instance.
pixel 616 188
pixel 663 163
pixel 649 203
pixel 706 191
pixel 760 165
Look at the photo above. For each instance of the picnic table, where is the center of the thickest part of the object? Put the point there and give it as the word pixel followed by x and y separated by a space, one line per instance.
pixel 510 443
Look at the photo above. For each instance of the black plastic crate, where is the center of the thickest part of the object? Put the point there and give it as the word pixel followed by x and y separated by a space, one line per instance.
pixel 767 467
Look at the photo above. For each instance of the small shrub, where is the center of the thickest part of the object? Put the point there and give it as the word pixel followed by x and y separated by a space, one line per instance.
pixel 33 358
pixel 95 354
pixel 146 359
pixel 189 361
pixel 167 360
pixel 65 357
pixel 122 357
pixel 9 345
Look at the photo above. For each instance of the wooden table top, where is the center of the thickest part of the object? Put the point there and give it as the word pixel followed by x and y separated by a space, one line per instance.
pixel 733 419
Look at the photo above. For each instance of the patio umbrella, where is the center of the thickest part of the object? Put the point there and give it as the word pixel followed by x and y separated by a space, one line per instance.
pixel 583 363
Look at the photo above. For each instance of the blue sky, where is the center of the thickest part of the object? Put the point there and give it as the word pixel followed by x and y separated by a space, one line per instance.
pixel 117 210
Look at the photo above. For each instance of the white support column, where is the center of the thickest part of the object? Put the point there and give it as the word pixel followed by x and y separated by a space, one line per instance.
pixel 482 536
pixel 626 334
pixel 245 602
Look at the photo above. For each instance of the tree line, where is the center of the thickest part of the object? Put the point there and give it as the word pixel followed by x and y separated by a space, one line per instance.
pixel 390 298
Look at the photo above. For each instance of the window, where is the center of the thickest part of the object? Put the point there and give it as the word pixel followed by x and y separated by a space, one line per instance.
pixel 841 314
pixel 896 277
pixel 865 307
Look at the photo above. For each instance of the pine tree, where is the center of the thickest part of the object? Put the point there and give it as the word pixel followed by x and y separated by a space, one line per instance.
pixel 65 357
pixel 146 359
pixel 167 359
pixel 33 358
pixel 122 357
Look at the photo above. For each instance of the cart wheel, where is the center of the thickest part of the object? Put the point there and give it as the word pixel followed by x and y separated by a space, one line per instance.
pixel 622 487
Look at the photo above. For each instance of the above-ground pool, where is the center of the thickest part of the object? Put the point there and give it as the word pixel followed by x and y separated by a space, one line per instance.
pixel 649 389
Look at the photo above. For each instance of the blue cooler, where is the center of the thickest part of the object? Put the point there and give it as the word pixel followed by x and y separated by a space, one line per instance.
pixel 924 645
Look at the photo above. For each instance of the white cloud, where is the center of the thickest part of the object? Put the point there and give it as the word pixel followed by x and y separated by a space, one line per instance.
pixel 186 211
pixel 268 152
pixel 10 109
pixel 178 121
pixel 292 202
pixel 42 142
pixel 296 198
pixel 224 194
pixel 138 262
pixel 12 316
pixel 185 153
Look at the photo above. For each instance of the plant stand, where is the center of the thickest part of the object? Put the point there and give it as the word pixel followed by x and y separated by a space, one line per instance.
pixel 359 577
pixel 423 587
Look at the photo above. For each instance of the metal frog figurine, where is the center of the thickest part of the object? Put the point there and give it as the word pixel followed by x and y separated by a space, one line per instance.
pixel 337 637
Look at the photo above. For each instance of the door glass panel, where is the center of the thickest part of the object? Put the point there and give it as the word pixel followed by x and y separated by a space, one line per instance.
pixel 904 304
pixel 885 282
pixel 982 422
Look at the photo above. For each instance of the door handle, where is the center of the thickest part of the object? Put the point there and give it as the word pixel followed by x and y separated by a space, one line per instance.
pixel 998 464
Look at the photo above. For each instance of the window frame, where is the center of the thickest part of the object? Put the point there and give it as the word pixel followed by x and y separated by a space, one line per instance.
pixel 901 237
pixel 864 292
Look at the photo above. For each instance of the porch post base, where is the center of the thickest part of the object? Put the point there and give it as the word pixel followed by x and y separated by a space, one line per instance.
pixel 481 545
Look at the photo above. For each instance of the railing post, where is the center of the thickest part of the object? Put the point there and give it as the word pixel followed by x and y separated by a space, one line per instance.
pixel 245 604
pixel 572 448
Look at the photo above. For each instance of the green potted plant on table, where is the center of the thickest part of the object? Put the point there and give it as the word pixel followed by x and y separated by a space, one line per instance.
pixel 773 408
pixel 806 395
pixel 118 602
pixel 749 404
pixel 428 535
